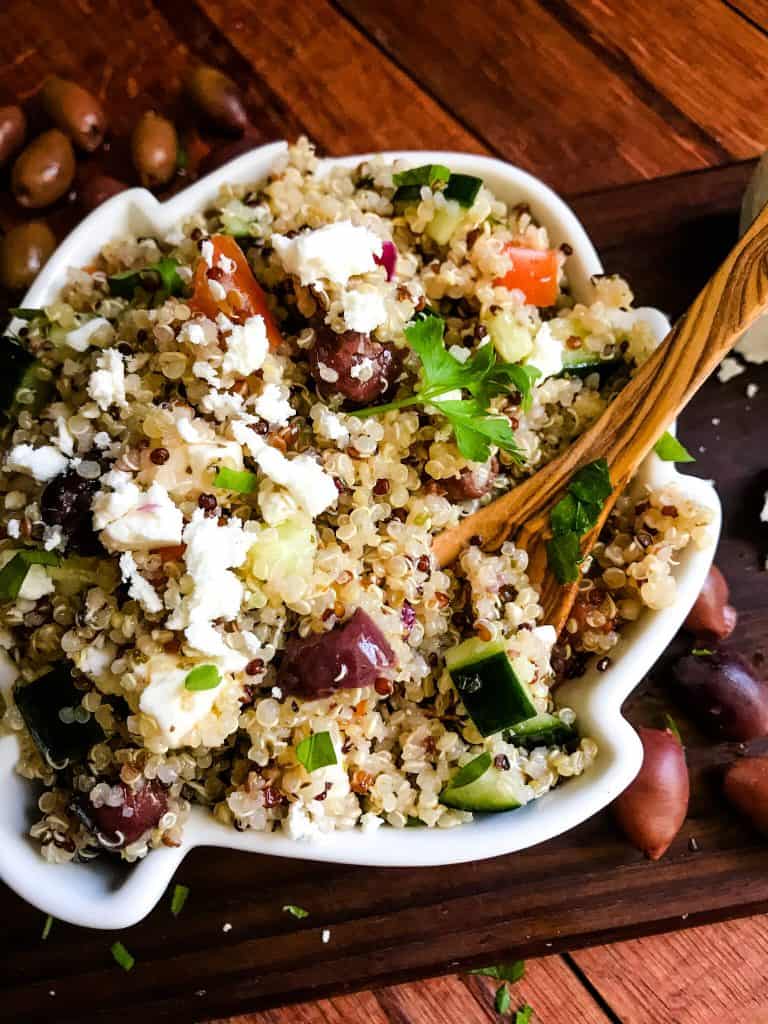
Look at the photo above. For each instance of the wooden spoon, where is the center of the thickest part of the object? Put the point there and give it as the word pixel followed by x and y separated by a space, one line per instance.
pixel 630 426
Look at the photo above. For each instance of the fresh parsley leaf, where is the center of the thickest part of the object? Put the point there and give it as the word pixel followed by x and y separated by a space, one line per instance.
pixel 294 911
pixel 122 956
pixel 179 898
pixel 511 377
pixel 476 430
pixel 240 480
pixel 503 999
pixel 564 556
pixel 316 751
pixel 670 449
pixel 441 371
pixel 203 677
pixel 523 1015
pixel 161 278
pixel 571 516
pixel 427 174
pixel 47 928
pixel 504 972
pixel 592 483
pixel 574 516
pixel 13 573
pixel 701 652
pixel 672 726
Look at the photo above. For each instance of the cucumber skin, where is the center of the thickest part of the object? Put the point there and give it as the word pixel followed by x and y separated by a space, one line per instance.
pixel 484 794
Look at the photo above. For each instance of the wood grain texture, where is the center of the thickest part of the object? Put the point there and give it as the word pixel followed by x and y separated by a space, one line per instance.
pixel 540 90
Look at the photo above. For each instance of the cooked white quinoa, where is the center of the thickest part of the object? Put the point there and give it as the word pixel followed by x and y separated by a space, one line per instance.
pixel 188 574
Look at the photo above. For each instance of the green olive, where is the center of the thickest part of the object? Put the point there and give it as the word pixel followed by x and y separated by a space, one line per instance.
pixel 13 131
pixel 23 251
pixel 75 111
pixel 44 170
pixel 217 96
pixel 154 147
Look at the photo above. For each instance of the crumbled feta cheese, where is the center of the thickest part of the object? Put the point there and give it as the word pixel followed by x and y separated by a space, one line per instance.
pixel 81 338
pixel 217 290
pixel 107 383
pixel 224 405
pixel 277 693
pixel 247 347
pixel 139 588
pixel 53 537
pixel 206 252
pixel 95 661
pixel 298 824
pixel 308 482
pixel 547 635
pixel 192 333
pixel 329 424
pixel 134 520
pixel 203 369
pixel 327 373
pixel 65 439
pixel 13 528
pixel 175 709
pixel 41 463
pixel 547 354
pixel 273 406
pixel 364 311
pixel 225 264
pixel 37 583
pixel 729 368
pixel 335 252
pixel 102 440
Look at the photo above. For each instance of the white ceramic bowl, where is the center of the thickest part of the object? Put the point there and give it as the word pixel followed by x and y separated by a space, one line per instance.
pixel 101 895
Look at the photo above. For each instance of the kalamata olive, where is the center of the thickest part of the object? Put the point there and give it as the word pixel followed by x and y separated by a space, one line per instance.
pixel 217 96
pixel 139 810
pixel 154 147
pixel 97 189
pixel 711 615
pixel 23 251
pixel 44 170
pixel 75 111
pixel 66 502
pixel 720 689
pixel 746 786
pixel 353 365
pixel 472 482
pixel 351 654
pixel 13 131
pixel 652 809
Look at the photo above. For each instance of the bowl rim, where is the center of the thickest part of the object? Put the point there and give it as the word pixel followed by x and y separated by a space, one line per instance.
pixel 101 895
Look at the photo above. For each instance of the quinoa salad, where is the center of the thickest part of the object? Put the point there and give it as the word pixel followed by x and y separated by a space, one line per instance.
pixel 227 452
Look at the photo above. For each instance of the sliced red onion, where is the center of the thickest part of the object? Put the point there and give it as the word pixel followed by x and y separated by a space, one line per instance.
pixel 387 259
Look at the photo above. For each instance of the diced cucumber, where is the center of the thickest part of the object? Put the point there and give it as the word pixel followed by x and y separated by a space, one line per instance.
pixel 50 707
pixel 445 222
pixel 582 361
pixel 492 692
pixel 542 730
pixel 480 786
pixel 511 339
pixel 76 572
pixel 287 549
pixel 21 386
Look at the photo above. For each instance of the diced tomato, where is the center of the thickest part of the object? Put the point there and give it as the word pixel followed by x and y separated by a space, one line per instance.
pixel 244 295
pixel 532 271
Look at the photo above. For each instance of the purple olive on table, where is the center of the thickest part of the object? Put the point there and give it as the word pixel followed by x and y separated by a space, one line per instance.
pixel 711 614
pixel 154 149
pixel 720 690
pixel 217 97
pixel 23 252
pixel 75 111
pixel 44 171
pixel 354 366
pixel 13 131
pixel 139 810
pixel 652 809
pixel 352 654
pixel 746 786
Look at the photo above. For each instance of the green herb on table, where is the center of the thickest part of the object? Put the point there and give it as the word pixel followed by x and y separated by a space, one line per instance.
pixel 14 572
pixel 475 426
pixel 179 898
pixel 240 480
pixel 204 677
pixel 294 911
pixel 316 751
pixel 122 956
pixel 161 278
pixel 47 928
pixel 701 652
pixel 574 516
pixel 523 1015
pixel 503 999
pixel 670 449
pixel 671 724
pixel 503 972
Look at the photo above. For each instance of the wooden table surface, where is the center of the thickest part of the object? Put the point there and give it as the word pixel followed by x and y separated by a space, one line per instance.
pixel 602 99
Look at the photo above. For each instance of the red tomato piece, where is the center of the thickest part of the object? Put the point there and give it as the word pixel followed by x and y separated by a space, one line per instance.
pixel 534 272
pixel 244 295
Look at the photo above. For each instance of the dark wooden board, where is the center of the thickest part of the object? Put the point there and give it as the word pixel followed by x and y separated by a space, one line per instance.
pixel 389 925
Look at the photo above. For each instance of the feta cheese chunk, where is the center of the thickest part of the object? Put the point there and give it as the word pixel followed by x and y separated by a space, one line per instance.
pixel 134 520
pixel 335 252
pixel 37 583
pixel 106 385
pixel 247 347
pixel 364 311
pixel 139 588
pixel 41 463
pixel 273 406
pixel 304 478
pixel 81 338
pixel 547 354
pixel 175 709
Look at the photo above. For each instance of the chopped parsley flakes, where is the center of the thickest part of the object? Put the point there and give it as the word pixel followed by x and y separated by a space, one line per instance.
pixel 574 516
